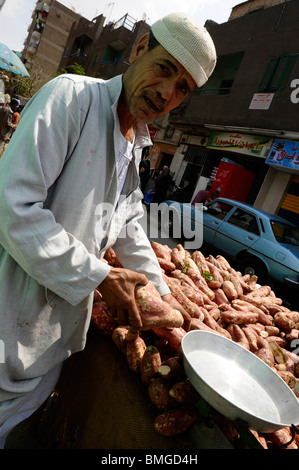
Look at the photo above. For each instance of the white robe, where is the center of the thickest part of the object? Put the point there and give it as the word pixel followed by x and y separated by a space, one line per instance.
pixel 56 175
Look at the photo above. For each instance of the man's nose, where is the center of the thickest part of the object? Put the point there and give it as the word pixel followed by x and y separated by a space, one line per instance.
pixel 167 89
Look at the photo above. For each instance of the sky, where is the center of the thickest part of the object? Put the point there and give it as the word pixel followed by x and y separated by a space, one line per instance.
pixel 15 16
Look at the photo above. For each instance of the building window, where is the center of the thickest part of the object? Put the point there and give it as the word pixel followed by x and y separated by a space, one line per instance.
pixel 278 73
pixel 169 131
pixel 222 79
pixel 113 55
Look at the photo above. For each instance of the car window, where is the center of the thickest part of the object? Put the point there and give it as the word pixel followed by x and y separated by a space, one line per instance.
pixel 244 220
pixel 285 233
pixel 218 209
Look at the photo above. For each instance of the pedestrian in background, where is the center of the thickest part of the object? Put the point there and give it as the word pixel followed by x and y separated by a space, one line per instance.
pixel 162 183
pixel 6 123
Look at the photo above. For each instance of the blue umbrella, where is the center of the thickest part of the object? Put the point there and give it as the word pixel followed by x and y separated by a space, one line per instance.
pixel 11 62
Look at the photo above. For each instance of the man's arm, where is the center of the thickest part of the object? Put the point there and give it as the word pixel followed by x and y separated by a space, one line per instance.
pixel 47 133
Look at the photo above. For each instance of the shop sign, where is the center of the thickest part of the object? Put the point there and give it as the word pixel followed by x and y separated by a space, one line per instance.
pixel 284 154
pixel 241 143
pixel 261 101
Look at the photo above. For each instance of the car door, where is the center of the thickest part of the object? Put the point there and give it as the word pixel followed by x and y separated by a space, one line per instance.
pixel 213 217
pixel 239 231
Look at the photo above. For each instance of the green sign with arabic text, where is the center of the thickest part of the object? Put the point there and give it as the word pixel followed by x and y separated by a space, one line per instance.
pixel 236 142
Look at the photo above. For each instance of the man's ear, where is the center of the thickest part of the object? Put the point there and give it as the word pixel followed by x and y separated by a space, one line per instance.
pixel 140 49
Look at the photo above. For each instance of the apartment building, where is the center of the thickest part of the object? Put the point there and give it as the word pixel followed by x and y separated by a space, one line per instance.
pixel 103 51
pixel 47 36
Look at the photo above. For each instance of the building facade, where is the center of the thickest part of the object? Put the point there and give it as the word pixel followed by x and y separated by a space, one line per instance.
pixel 58 38
pixel 47 36
pixel 103 51
pixel 247 112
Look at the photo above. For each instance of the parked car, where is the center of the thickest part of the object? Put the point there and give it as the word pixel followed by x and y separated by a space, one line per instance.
pixel 258 242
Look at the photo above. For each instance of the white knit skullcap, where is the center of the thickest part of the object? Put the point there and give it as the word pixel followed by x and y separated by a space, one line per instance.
pixel 189 43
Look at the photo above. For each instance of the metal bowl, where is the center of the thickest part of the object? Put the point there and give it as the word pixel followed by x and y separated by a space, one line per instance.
pixel 237 383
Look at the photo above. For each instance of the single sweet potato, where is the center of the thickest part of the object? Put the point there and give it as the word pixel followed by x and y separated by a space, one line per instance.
pixel 239 318
pixel 184 392
pixel 236 281
pixel 282 320
pixel 281 342
pixel 161 251
pixel 262 291
pixel 158 391
pixel 166 265
pixel 220 297
pixel 154 311
pixel 223 261
pixel 150 363
pixel 192 294
pixel 176 421
pixel 119 337
pixel 102 318
pixel 251 336
pixel 264 352
pixel 238 335
pixel 174 336
pixel 135 349
pixel 112 259
pixel 229 290
pixel 172 370
pixel 272 330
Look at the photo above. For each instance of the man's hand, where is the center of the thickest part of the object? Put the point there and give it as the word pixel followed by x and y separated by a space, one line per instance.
pixel 175 304
pixel 117 291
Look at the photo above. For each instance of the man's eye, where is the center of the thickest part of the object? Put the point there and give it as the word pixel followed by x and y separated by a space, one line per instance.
pixel 163 68
pixel 183 89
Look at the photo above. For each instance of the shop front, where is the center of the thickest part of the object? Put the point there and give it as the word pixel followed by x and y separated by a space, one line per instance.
pixel 242 166
pixel 237 159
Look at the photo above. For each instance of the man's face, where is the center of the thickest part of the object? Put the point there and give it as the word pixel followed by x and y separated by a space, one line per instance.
pixel 155 83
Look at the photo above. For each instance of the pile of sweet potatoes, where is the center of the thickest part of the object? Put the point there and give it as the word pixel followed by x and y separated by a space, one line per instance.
pixel 219 299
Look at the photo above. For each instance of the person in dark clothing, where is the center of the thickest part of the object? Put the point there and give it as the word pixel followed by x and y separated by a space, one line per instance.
pixel 162 183
pixel 144 173
pixel 201 196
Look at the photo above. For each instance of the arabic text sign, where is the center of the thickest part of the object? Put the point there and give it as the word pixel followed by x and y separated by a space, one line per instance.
pixel 261 101
pixel 235 142
pixel 284 154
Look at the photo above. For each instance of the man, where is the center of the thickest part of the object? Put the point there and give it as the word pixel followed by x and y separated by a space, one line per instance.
pixel 201 196
pixel 7 126
pixel 14 104
pixel 69 189
pixel 162 183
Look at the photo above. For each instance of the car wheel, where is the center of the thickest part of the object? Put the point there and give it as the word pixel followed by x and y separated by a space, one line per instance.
pixel 253 266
